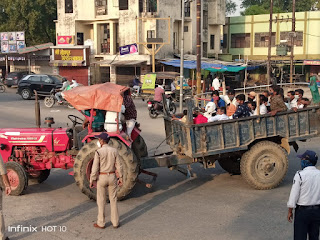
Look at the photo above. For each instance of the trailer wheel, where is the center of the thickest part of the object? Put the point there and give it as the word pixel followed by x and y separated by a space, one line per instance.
pixel 231 163
pixel 40 176
pixel 265 165
pixel 139 147
pixel 17 177
pixel 84 161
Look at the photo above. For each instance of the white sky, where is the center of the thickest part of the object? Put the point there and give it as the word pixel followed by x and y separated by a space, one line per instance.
pixel 237 13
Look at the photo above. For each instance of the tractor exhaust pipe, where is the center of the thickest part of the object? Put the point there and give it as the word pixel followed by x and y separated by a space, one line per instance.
pixel 37 110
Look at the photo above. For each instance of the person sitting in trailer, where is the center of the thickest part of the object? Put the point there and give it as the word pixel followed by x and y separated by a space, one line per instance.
pixel 242 110
pixel 263 106
pixel 221 115
pixel 210 110
pixel 216 99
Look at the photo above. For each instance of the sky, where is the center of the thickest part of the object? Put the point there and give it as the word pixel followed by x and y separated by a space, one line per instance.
pixel 237 13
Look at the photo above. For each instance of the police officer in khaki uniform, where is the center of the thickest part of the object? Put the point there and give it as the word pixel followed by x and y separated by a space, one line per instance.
pixel 3 173
pixel 106 162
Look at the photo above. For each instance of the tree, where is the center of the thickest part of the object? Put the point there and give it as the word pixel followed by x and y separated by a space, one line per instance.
pixel 231 7
pixel 35 17
pixel 279 6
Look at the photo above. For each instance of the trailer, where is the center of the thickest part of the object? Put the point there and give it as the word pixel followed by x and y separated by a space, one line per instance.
pixel 256 147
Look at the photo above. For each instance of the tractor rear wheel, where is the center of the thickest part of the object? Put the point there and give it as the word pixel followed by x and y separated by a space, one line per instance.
pixel 265 165
pixel 17 177
pixel 84 161
pixel 139 147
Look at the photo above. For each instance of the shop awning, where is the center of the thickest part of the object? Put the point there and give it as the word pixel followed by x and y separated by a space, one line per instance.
pixel 60 63
pixel 125 63
pixel 35 48
pixel 213 67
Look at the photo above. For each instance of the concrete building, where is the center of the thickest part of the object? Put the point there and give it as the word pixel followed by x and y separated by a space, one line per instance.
pixel 106 25
pixel 248 36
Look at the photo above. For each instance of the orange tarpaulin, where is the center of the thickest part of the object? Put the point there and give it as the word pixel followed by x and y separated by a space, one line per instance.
pixel 106 96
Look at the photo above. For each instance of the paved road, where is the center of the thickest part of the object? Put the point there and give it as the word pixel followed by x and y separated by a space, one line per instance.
pixel 212 205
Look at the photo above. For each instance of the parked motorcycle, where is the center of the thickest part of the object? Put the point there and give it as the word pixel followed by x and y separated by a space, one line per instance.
pixel 156 108
pixel 49 101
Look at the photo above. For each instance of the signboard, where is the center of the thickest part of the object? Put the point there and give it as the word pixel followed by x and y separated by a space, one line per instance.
pixel 69 54
pixel 65 40
pixel 128 49
pixel 11 42
pixel 310 62
pixel 149 81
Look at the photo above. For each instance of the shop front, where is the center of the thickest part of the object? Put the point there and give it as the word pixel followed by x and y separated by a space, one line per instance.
pixel 72 63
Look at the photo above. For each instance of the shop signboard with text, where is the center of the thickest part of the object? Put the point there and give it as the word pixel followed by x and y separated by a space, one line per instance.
pixel 71 56
pixel 128 49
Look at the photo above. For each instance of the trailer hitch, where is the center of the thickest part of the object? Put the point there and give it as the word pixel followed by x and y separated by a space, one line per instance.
pixel 187 172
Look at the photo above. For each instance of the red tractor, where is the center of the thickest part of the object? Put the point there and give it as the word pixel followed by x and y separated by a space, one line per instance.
pixel 33 152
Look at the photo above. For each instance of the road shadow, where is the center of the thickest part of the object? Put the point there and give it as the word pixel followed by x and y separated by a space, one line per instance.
pixel 183 187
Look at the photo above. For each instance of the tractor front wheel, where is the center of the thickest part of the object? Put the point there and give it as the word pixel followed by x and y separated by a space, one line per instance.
pixel 40 176
pixel 17 177
pixel 84 161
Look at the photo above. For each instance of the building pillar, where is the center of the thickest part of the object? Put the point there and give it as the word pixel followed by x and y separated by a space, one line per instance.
pixel 113 75
pixel 96 38
pixel 113 39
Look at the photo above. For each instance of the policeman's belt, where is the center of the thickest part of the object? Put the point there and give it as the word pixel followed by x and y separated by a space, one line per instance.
pixel 106 173
pixel 308 207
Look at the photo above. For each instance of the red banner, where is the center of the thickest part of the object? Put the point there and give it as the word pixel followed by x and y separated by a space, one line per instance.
pixel 63 40
pixel 310 62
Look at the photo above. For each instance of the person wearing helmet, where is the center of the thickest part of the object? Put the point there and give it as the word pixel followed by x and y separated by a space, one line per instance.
pixel 65 86
pixel 305 198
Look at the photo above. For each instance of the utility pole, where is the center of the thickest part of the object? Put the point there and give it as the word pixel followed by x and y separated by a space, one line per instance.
pixel 270 43
pixel 182 55
pixel 198 46
pixel 292 39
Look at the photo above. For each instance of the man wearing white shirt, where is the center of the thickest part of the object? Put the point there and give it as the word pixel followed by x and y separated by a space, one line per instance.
pixel 292 100
pixel 305 199
pixel 221 115
pixel 263 106
pixel 216 83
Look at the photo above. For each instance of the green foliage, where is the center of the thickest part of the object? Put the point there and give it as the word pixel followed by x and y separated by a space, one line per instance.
pixel 231 6
pixel 35 17
pixel 279 6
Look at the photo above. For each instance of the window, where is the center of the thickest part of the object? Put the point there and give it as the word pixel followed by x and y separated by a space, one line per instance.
pixel 240 40
pixel 150 34
pixel 225 41
pixel 123 5
pixel 68 6
pixel 298 41
pixel 128 71
pixel 186 29
pixel 205 49
pixel 262 39
pixel 148 5
pixel 174 40
pixel 187 9
pixel 205 19
pixel 211 41
pixel 46 79
pixel 80 39
pixel 101 7
pixel 35 79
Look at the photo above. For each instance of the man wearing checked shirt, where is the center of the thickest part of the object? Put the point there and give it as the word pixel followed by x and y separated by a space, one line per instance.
pixel 305 199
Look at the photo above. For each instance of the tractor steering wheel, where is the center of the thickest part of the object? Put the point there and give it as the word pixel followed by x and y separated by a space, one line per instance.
pixel 75 120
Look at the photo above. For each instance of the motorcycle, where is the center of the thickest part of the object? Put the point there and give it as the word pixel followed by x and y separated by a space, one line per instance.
pixel 156 108
pixel 50 100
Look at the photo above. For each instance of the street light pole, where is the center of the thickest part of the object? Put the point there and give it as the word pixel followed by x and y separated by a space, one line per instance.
pixel 182 55
pixel 270 42
pixel 198 46
pixel 292 39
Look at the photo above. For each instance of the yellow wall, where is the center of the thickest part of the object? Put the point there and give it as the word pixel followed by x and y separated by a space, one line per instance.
pixel 308 22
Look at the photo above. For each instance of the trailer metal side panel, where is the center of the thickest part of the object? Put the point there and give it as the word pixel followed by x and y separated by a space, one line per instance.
pixel 234 135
